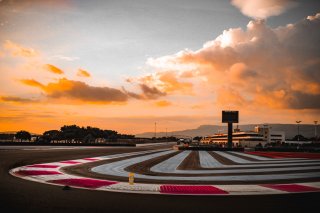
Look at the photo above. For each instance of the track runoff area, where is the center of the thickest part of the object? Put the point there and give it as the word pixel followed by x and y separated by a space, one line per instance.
pixel 172 172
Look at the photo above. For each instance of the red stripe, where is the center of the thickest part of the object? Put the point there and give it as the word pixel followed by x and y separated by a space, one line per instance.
pixel 286 154
pixel 83 182
pixel 264 154
pixel 90 159
pixel 43 166
pixel 190 189
pixel 36 172
pixel 70 162
pixel 291 187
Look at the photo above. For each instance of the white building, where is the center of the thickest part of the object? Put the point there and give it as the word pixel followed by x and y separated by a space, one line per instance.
pixel 260 135
pixel 269 135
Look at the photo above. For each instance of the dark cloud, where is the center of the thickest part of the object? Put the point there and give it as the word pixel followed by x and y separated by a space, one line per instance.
pixel 16 99
pixel 79 91
pixel 151 92
pixel 300 100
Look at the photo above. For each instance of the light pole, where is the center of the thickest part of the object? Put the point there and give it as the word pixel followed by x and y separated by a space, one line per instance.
pixel 166 134
pixel 298 122
pixel 315 129
pixel 155 130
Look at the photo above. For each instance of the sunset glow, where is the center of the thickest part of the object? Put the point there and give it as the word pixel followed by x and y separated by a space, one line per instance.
pixel 62 63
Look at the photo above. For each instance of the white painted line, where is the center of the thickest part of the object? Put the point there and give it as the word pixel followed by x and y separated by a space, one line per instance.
pixel 118 168
pixel 207 161
pixel 248 189
pixel 170 165
pixel 233 158
pixel 253 156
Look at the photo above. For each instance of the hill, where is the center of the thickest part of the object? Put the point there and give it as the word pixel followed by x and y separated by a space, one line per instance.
pixel 307 130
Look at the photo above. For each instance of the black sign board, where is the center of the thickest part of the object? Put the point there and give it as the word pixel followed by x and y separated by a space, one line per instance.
pixel 230 116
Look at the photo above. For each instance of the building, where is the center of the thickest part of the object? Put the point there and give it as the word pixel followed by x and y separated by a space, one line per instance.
pixel 269 135
pixel 260 135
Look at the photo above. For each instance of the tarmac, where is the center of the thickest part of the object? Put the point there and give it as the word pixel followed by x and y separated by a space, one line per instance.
pixel 20 195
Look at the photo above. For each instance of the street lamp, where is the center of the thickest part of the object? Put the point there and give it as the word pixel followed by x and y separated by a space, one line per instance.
pixel 166 135
pixel 155 130
pixel 298 122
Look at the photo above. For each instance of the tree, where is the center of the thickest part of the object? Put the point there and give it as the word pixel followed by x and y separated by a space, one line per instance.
pixel 299 138
pixel 197 138
pixel 88 138
pixel 51 135
pixel 23 135
pixel 72 132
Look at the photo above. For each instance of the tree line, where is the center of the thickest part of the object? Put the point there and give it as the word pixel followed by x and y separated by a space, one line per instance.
pixel 71 133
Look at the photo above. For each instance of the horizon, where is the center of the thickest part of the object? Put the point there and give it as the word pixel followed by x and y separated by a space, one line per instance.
pixel 163 132
pixel 125 65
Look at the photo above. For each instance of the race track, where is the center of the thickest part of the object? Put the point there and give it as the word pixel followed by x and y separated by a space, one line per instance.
pixel 19 194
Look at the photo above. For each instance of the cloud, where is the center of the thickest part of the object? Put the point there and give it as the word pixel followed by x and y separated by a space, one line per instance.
pixel 163 83
pixel 163 103
pixel 83 73
pixel 16 99
pixel 18 50
pixel 32 83
pixel 170 83
pixel 256 67
pixel 64 58
pixel 53 69
pixel 262 9
pixel 150 92
pixel 79 91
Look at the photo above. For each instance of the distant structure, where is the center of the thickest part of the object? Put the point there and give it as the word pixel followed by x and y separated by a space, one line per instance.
pixel 230 117
pixel 260 135
pixel 315 129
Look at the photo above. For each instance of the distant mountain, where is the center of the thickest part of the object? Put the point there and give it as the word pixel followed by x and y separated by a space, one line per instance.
pixel 307 130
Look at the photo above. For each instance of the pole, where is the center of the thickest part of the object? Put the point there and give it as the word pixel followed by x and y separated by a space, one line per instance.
pixel 166 134
pixel 155 130
pixel 315 129
pixel 298 122
pixel 229 135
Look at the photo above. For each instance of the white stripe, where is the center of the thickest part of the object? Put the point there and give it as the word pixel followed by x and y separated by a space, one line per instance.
pixel 207 161
pixel 313 184
pixel 170 165
pixel 253 156
pixel 232 157
pixel 248 189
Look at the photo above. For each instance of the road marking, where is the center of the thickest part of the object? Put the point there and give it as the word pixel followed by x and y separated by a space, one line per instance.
pixel 51 173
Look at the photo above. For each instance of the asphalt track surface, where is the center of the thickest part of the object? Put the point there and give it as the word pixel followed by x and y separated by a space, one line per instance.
pixel 18 195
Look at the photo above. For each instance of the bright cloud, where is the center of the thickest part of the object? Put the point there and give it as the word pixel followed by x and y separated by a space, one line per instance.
pixel 83 73
pixel 259 66
pixel 262 9
pixel 53 69
pixel 18 50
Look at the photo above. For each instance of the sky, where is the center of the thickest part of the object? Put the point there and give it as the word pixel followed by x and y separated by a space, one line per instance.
pixel 126 64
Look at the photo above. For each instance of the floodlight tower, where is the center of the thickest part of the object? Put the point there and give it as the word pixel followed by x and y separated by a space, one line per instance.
pixel 230 117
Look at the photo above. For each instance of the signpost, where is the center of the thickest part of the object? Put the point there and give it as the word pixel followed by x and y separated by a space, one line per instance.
pixel 131 178
pixel 230 117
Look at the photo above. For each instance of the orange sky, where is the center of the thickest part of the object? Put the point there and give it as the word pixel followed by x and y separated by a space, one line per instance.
pixel 269 74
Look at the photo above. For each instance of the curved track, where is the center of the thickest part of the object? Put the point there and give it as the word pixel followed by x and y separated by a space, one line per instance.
pixel 247 174
pixel 18 194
